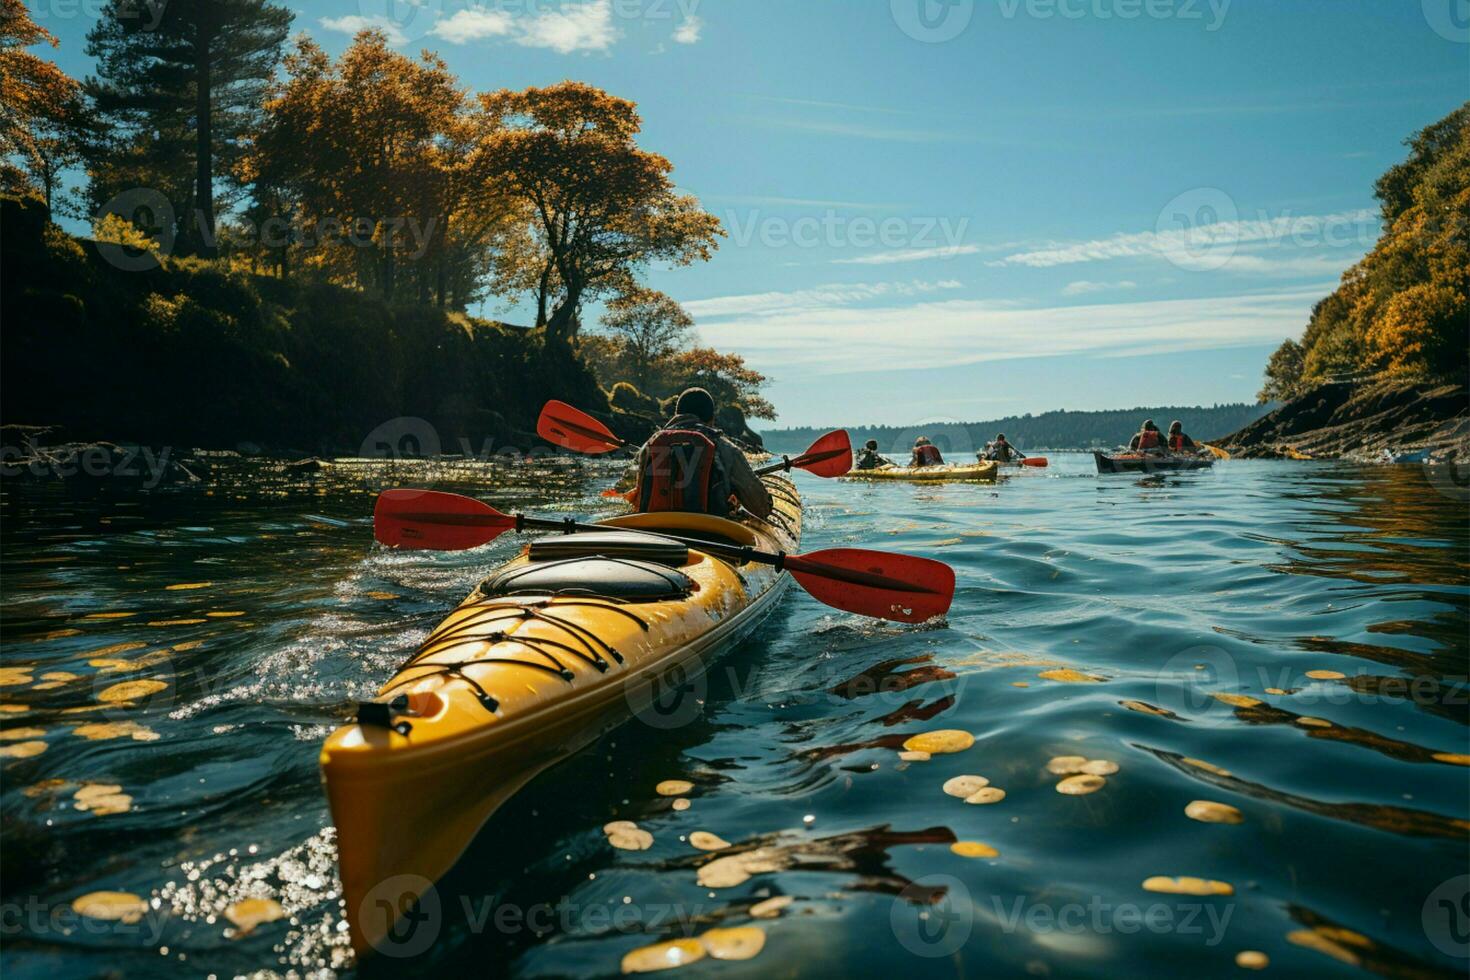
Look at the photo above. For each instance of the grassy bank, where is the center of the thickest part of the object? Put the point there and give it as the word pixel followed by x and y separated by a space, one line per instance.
pixel 188 353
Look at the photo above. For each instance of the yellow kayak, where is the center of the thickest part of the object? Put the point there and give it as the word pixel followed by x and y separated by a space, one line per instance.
pixel 925 474
pixel 553 648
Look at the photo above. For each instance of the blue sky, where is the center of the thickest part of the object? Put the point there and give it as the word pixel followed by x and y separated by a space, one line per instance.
pixel 965 210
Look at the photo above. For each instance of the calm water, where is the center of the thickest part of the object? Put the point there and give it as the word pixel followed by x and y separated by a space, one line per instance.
pixel 262 608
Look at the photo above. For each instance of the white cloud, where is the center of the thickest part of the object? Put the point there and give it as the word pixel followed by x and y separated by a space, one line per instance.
pixel 473 25
pixel 353 23
pixel 688 31
pixel 1211 244
pixel 1082 286
pixel 808 337
pixel 910 255
pixel 816 298
pixel 584 27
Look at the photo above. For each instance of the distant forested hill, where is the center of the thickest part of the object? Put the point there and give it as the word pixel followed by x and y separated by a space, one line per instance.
pixel 1049 430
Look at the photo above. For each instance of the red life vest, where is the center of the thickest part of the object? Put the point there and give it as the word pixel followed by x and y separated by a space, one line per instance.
pixel 1176 442
pixel 1148 439
pixel 681 472
pixel 927 456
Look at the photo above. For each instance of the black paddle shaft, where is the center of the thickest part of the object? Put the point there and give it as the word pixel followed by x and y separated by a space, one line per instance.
pixel 733 552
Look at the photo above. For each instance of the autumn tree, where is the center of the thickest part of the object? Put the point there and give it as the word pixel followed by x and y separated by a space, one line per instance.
pixel 725 376
pixel 43 118
pixel 649 327
pixel 180 84
pixel 1283 373
pixel 603 208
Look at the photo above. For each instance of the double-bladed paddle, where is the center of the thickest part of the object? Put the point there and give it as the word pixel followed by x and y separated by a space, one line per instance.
pixel 571 428
pixel 902 588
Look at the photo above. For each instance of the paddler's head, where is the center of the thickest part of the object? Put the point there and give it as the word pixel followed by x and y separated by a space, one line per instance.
pixel 696 402
pixel 1148 425
pixel 1175 427
pixel 871 445
pixel 921 441
pixel 1000 437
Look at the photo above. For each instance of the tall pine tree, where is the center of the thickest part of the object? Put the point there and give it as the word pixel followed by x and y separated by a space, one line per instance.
pixel 180 85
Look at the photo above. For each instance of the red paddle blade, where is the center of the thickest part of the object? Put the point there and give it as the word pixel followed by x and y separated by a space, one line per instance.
pixel 570 428
pixel 829 456
pixel 1037 461
pixel 903 588
pixel 426 520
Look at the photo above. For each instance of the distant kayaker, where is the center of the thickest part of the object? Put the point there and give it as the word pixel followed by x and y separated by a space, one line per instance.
pixel 1002 450
pixel 689 465
pixel 1148 439
pixel 868 458
pixel 925 454
pixel 1178 441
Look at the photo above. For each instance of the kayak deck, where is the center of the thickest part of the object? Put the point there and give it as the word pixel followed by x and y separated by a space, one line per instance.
pixel 926 474
pixel 534 665
pixel 1148 463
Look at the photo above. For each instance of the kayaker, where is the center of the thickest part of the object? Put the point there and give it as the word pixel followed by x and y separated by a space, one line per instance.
pixel 1178 441
pixel 1001 450
pixel 868 458
pixel 689 465
pixel 925 454
pixel 1148 439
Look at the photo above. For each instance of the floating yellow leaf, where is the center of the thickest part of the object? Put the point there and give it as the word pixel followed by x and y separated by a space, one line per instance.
pixel 188 586
pixel 1252 959
pixel 130 690
pixel 1207 811
pixel 1080 785
pixel 1206 766
pixel 58 676
pixel 729 871
pixel 706 841
pixel 1067 675
pixel 1237 700
pixel 737 943
pixel 616 825
pixel 630 840
pixel 116 648
pixel 1273 690
pixel 45 786
pixel 15 734
pixel 177 622
pixel 941 741
pixel 101 731
pixel 22 750
pixel 1309 722
pixel 187 645
pixel 1326 675
pixel 680 804
pixel 1020 684
pixel 973 849
pixel 109 615
pixel 13 676
pixel 988 794
pixel 963 786
pixel 111 906
pixel 1314 940
pixel 14 709
pixel 771 907
pixel 1066 765
pixel 912 756
pixel 61 634
pixel 1099 767
pixel 673 787
pixel 225 614
pixel 252 912
pixel 1187 886
pixel 662 956
pixel 1453 758
pixel 90 790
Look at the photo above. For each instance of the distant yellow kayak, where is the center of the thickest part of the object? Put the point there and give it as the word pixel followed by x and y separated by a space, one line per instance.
pixel 930 474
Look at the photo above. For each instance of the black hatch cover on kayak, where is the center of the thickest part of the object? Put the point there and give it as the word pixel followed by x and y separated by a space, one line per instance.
pixel 611 544
pixel 602 577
